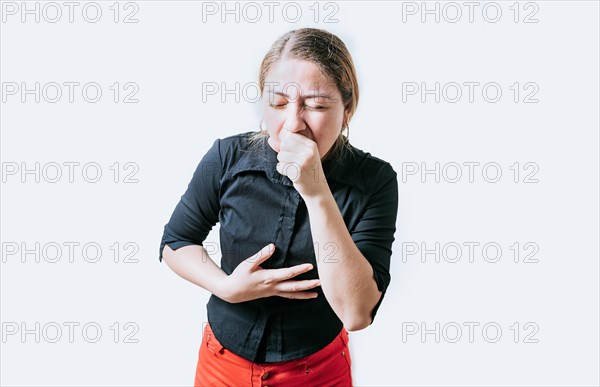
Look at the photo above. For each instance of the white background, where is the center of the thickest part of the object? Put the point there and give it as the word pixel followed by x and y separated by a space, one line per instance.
pixel 171 52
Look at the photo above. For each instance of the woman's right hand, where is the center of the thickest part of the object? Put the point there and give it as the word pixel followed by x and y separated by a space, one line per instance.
pixel 249 281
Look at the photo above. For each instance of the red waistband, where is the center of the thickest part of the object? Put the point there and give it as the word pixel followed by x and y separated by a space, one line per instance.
pixel 330 350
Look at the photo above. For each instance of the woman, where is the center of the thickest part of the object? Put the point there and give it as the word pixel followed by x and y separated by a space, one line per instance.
pixel 307 224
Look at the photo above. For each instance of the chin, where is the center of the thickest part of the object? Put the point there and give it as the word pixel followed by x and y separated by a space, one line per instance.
pixel 273 146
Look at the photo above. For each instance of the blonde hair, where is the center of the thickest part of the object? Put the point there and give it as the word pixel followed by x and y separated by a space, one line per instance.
pixel 330 54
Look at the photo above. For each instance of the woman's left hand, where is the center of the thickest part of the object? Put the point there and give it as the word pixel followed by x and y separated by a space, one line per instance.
pixel 300 161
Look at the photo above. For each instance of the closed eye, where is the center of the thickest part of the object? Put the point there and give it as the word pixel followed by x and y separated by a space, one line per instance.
pixel 278 106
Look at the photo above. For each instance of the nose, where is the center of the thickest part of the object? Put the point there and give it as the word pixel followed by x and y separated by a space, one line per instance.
pixel 294 122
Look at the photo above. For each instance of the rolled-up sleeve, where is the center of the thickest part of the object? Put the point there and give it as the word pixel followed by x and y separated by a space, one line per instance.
pixel 198 209
pixel 374 233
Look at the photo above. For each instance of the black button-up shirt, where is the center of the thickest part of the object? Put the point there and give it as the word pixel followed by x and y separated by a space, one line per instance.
pixel 240 187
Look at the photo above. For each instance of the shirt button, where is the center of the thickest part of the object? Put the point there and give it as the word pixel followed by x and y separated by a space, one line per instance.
pixel 266 375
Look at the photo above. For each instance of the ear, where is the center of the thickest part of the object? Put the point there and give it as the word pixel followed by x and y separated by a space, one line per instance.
pixel 346 115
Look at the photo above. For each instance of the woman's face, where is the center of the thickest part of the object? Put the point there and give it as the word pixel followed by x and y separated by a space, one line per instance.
pixel 298 98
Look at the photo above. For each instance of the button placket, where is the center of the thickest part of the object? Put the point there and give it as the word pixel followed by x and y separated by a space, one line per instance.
pixel 287 222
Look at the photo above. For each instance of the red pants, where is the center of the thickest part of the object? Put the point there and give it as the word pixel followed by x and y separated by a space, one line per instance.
pixel 217 366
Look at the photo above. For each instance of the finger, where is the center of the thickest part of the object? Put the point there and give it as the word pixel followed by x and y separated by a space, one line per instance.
pixel 289 135
pixel 297 286
pixel 289 140
pixel 261 256
pixel 277 275
pixel 298 295
pixel 296 138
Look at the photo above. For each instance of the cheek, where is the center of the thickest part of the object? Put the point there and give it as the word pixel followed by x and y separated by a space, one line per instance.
pixel 272 121
pixel 326 128
pixel 272 125
pixel 333 119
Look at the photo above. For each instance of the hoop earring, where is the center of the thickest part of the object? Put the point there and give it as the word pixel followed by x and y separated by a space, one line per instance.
pixel 347 127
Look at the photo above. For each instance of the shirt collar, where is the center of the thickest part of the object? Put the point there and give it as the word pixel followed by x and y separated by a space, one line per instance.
pixel 263 158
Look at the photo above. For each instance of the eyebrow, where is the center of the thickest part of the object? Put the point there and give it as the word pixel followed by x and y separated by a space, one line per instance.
pixel 317 95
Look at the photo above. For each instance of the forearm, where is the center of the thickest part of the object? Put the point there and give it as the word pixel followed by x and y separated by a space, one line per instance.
pixel 346 276
pixel 195 265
